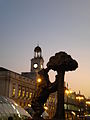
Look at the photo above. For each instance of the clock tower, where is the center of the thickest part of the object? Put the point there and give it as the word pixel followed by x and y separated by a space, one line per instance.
pixel 37 63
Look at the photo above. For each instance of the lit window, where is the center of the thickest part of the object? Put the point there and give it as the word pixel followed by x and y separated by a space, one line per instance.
pixel 27 94
pixel 53 100
pixel 30 95
pixel 88 102
pixel 13 92
pixel 53 108
pixel 19 93
pixel 23 93
pixel 49 99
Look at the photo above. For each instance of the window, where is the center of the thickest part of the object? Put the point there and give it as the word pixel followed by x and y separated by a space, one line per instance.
pixel 19 91
pixel 23 93
pixel 30 95
pixel 27 94
pixel 13 92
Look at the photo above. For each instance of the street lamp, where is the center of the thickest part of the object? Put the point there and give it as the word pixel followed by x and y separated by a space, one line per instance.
pixel 45 107
pixel 39 80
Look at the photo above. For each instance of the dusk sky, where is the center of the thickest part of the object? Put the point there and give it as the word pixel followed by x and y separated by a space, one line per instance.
pixel 56 25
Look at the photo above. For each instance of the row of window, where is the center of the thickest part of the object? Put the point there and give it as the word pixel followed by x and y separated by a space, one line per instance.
pixel 21 92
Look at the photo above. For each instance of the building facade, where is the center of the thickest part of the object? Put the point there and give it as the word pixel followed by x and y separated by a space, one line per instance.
pixel 16 87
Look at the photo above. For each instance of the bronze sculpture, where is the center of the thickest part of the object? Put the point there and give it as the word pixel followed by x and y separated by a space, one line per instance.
pixel 61 63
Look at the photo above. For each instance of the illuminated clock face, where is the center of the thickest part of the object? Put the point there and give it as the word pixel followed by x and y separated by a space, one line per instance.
pixel 35 65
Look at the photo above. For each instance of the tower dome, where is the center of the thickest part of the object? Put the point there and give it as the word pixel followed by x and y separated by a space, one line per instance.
pixel 37 52
pixel 37 49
